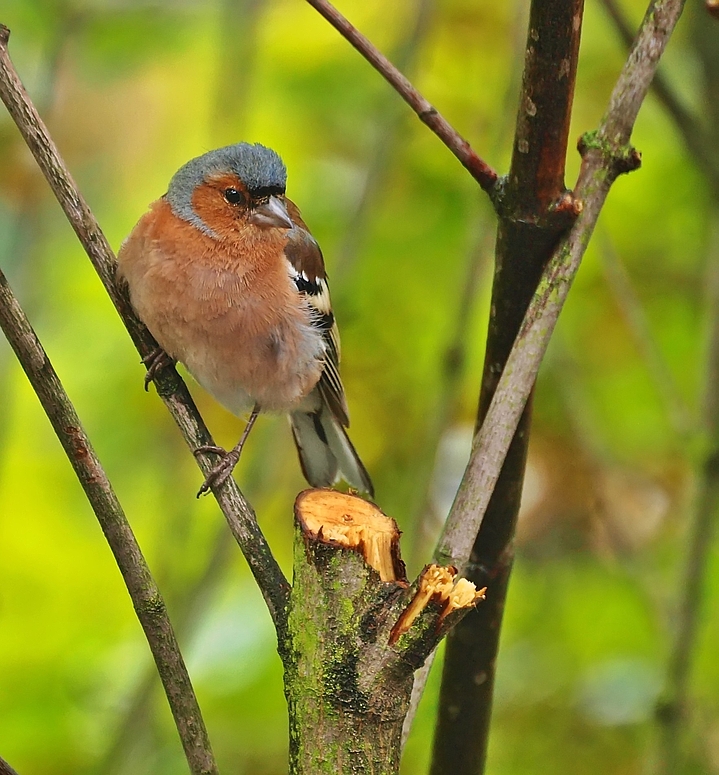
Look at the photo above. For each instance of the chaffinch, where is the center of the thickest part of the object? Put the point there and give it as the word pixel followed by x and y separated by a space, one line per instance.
pixel 230 282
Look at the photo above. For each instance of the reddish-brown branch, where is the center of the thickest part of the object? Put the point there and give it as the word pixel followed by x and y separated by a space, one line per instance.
pixel 534 209
pixel 429 115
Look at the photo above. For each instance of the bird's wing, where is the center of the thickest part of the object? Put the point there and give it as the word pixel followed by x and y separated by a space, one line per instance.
pixel 307 270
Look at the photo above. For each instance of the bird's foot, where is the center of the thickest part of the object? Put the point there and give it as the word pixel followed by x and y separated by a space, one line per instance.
pixel 220 473
pixel 155 361
pixel 228 460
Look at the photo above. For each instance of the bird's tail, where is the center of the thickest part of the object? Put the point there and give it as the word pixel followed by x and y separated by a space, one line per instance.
pixel 326 453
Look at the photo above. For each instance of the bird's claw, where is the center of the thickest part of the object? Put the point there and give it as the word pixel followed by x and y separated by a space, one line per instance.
pixel 155 361
pixel 222 471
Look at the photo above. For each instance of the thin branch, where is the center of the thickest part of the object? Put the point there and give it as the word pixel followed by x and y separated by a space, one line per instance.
pixel 5 768
pixel 237 510
pixel 146 598
pixel 695 138
pixel 387 117
pixel 672 711
pixel 606 154
pixel 629 305
pixel 429 115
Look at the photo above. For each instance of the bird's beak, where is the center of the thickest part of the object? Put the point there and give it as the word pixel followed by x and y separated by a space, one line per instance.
pixel 272 213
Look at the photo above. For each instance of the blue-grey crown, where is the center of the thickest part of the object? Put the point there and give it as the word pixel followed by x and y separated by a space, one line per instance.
pixel 255 165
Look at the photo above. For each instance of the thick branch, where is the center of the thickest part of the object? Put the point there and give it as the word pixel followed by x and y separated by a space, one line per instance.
pixel 606 154
pixel 429 115
pixel 146 597
pixel 357 632
pixel 534 210
pixel 237 510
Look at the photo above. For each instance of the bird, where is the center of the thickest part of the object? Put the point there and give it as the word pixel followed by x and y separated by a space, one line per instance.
pixel 230 282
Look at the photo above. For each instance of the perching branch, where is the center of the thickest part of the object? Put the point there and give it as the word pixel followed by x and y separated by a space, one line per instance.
pixel 146 598
pixel 173 391
pixel 427 114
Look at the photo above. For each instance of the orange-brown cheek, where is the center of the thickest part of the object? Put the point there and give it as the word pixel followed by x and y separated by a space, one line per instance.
pixel 216 213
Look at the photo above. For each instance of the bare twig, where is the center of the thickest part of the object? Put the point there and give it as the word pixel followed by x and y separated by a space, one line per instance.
pixel 696 139
pixel 146 597
pixel 429 115
pixel 636 319
pixel 672 711
pixel 388 115
pixel 237 510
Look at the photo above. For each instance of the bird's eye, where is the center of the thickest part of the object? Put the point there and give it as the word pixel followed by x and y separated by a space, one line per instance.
pixel 234 197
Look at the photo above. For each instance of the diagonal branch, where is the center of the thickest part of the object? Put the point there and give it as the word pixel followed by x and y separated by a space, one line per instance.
pixel 238 512
pixel 5 768
pixel 427 114
pixel 606 154
pixel 146 597
pixel 698 142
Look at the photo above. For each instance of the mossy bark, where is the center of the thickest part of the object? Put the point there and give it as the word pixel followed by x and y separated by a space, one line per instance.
pixel 355 640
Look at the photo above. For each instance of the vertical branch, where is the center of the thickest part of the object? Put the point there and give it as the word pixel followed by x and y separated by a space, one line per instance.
pixel 533 212
pixel 678 412
pixel 146 597
pixel 673 712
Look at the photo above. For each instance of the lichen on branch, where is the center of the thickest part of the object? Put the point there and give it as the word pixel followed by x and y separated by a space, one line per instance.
pixel 357 632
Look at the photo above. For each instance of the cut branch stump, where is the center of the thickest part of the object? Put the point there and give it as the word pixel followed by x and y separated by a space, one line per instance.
pixel 357 632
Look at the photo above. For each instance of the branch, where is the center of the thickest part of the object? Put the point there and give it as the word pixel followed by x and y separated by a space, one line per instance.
pixel 534 209
pixel 679 414
pixel 146 597
pixel 427 114
pixel 5 768
pixel 696 140
pixel 606 154
pixel 237 510
pixel 673 711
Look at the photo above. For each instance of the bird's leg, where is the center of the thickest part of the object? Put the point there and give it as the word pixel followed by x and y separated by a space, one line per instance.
pixel 155 361
pixel 229 460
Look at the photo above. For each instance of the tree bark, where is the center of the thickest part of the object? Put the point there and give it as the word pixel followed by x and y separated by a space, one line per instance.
pixel 357 631
pixel 533 213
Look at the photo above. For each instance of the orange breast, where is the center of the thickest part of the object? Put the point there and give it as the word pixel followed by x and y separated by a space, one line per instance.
pixel 226 309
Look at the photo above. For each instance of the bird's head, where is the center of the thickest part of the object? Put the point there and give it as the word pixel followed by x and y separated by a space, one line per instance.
pixel 230 190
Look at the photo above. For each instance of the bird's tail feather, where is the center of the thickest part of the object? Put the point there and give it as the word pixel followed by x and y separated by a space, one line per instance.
pixel 326 453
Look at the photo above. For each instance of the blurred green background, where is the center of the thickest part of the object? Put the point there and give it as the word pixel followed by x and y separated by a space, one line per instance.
pixel 130 91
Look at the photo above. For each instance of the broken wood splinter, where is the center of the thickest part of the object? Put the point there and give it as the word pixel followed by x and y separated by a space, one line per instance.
pixel 441 585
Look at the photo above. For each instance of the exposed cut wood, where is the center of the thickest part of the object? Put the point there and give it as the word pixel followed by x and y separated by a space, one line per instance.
pixel 353 523
pixel 442 585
